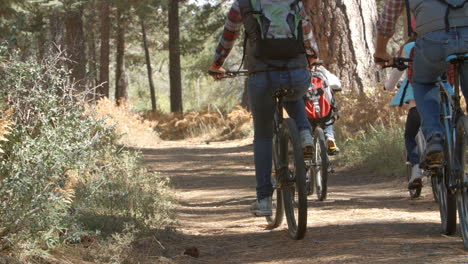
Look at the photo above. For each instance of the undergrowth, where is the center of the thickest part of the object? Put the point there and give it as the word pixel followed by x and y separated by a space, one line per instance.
pixel 63 177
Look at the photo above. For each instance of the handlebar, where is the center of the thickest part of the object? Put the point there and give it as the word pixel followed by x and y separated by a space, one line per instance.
pixel 229 74
pixel 399 63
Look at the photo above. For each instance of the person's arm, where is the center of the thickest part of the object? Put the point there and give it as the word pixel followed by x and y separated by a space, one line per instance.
pixel 231 31
pixel 310 44
pixel 386 28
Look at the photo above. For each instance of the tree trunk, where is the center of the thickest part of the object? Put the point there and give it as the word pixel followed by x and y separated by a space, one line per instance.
pixel 345 32
pixel 174 57
pixel 148 65
pixel 41 38
pixel 76 48
pixel 92 57
pixel 56 39
pixel 121 92
pixel 103 89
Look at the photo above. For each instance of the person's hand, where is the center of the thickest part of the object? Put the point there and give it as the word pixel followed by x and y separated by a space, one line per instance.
pixel 216 73
pixel 382 59
pixel 312 60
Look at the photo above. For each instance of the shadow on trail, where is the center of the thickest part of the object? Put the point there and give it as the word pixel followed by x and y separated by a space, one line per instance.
pixel 331 244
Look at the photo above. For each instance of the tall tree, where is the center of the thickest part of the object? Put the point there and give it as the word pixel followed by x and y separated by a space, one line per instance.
pixel 103 90
pixel 121 91
pixel 148 64
pixel 76 48
pixel 91 44
pixel 345 32
pixel 174 57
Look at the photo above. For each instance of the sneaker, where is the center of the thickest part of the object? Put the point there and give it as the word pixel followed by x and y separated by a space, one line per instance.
pixel 416 177
pixel 261 207
pixel 434 153
pixel 332 148
pixel 307 142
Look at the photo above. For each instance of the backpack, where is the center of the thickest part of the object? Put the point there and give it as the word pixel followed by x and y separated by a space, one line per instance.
pixel 279 27
pixel 451 4
pixel 320 105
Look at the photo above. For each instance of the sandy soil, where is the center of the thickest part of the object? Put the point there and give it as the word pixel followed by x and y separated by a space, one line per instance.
pixel 366 218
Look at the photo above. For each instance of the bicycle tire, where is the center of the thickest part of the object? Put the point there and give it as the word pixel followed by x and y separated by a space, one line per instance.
pixel 416 192
pixel 294 188
pixel 322 164
pixel 461 152
pixel 276 217
pixel 447 203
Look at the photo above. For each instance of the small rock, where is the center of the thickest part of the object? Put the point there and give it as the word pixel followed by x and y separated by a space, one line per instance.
pixel 192 251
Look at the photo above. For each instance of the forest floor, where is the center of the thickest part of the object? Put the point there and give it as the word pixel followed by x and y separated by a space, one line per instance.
pixel 367 218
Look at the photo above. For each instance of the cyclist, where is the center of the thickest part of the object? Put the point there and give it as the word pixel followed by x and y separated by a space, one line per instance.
pixel 284 66
pixel 442 31
pixel 405 95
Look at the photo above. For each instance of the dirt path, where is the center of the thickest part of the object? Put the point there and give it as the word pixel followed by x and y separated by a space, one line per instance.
pixel 366 219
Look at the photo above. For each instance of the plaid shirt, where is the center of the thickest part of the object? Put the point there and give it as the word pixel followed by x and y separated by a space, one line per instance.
pixel 233 26
pixel 387 21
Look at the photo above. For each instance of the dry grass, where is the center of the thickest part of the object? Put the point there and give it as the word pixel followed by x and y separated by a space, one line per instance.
pixel 210 126
pixel 5 123
pixel 135 130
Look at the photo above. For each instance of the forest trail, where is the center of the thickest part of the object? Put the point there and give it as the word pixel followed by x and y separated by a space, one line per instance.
pixel 366 218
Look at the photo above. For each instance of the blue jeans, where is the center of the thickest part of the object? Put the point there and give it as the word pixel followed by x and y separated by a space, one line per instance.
pixel 328 130
pixel 261 87
pixel 431 50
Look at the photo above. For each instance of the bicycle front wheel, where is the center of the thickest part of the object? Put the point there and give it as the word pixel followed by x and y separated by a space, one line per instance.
pixel 294 181
pixel 276 217
pixel 321 164
pixel 461 157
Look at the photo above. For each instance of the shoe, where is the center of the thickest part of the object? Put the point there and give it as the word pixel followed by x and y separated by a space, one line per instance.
pixel 261 207
pixel 416 177
pixel 307 142
pixel 332 148
pixel 434 153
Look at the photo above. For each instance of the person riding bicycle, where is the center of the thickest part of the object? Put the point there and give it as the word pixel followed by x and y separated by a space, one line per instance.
pixel 281 47
pixel 405 95
pixel 442 28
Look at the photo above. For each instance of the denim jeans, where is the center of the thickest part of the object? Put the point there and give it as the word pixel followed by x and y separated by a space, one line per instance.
pixel 261 87
pixel 431 50
pixel 328 130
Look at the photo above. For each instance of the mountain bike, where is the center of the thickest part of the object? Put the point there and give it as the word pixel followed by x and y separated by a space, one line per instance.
pixel 447 178
pixel 318 165
pixel 288 170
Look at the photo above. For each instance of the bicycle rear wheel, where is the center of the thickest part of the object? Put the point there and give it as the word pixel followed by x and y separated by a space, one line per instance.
pixel 321 164
pixel 294 188
pixel 435 193
pixel 461 157
pixel 276 217
pixel 447 202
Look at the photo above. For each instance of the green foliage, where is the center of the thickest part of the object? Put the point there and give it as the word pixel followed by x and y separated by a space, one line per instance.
pixel 380 149
pixel 61 165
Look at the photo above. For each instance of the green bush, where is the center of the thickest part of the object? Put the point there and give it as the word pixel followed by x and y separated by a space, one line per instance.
pixel 61 167
pixel 379 149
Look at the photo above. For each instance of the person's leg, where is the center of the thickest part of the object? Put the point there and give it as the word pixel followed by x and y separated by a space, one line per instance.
pixel 464 68
pixel 429 63
pixel 328 130
pixel 411 130
pixel 298 81
pixel 262 106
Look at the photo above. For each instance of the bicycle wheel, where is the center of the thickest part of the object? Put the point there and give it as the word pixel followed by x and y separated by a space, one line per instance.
pixel 414 193
pixel 294 188
pixel 461 157
pixel 321 164
pixel 447 202
pixel 276 217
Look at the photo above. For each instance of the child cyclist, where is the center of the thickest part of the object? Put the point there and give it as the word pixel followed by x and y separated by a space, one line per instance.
pixel 405 95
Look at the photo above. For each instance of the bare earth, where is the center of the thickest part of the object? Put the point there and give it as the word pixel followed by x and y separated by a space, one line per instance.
pixel 366 218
